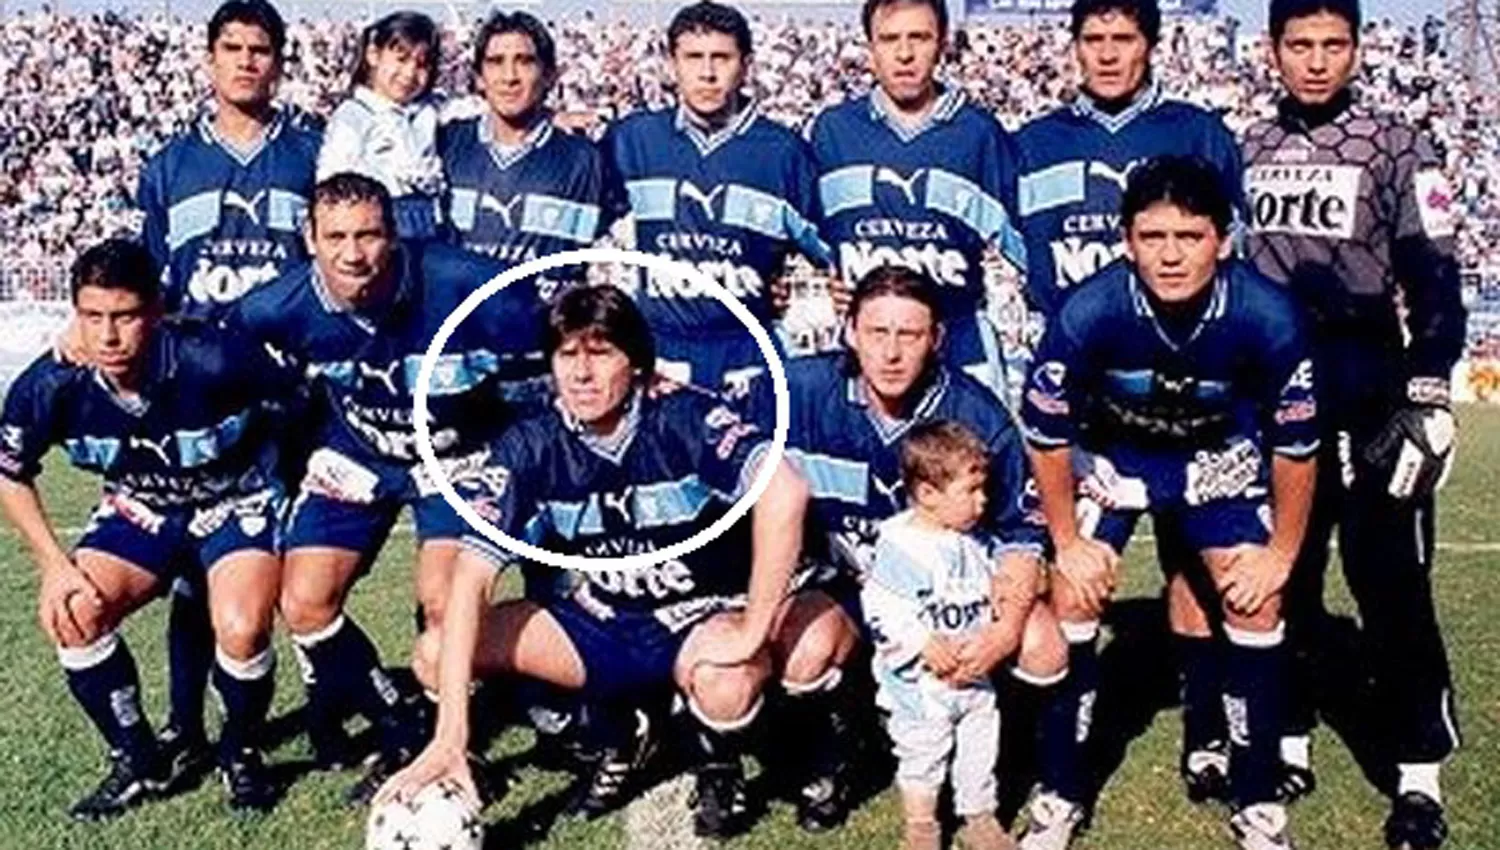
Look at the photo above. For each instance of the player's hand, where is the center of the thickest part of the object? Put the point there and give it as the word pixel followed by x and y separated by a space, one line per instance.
pixel 1255 575
pixel 729 642
pixel 1091 570
pixel 64 589
pixel 781 294
pixel 68 347
pixel 438 762
pixel 841 294
pixel 978 657
pixel 940 655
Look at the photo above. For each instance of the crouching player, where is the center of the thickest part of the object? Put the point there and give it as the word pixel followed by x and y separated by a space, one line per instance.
pixel 622 465
pixel 934 589
pixel 1183 379
pixel 176 418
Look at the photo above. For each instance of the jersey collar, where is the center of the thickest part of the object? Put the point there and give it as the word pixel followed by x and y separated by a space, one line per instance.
pixel 611 447
pixel 244 156
pixel 507 155
pixel 1145 100
pixel 928 395
pixel 707 142
pixel 1218 302
pixel 950 100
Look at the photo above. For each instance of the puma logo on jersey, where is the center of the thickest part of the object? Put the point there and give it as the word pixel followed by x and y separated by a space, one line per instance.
pixel 705 201
pixel 907 185
pixel 248 206
pixel 504 210
pixel 385 376
pixel 890 491
pixel 156 447
pixel 1105 171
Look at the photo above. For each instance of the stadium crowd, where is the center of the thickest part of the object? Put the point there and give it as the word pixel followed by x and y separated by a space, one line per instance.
pixel 88 98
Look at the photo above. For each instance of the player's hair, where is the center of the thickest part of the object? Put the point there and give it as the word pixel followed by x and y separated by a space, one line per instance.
pixel 607 312
pixel 117 264
pixel 255 13
pixel 521 23
pixel 1145 13
pixel 412 29
pixel 1283 11
pixel 708 16
pixel 348 187
pixel 1186 182
pixel 938 7
pixel 938 451
pixel 899 281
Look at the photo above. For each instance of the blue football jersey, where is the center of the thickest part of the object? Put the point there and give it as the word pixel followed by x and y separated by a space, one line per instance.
pixel 734 204
pixel 221 221
pixel 542 198
pixel 363 368
pixel 679 461
pixel 1157 398
pixel 200 429
pixel 932 197
pixel 850 456
pixel 1074 166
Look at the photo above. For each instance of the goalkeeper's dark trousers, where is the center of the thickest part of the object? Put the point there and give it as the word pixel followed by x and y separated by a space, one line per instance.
pixel 1387 550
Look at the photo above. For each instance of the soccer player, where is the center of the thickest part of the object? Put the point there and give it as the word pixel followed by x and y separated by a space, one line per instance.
pixel 356 321
pixel 714 184
pixel 224 203
pixel 176 419
pixel 623 464
pixel 1178 384
pixel 1075 162
pixel 913 174
pixel 850 412
pixel 519 189
pixel 1350 210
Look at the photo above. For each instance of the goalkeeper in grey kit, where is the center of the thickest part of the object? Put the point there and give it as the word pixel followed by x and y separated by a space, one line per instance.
pixel 1351 210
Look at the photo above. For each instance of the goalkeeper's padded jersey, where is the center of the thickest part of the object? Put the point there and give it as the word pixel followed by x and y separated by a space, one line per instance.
pixel 1351 209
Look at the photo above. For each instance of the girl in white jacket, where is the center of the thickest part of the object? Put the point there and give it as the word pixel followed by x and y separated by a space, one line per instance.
pixel 387 129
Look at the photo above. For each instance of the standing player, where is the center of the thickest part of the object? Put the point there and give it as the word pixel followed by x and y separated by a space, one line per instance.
pixel 714 184
pixel 1351 211
pixel 176 418
pixel 224 204
pixel 915 175
pixel 519 189
pixel 356 321
pixel 1177 384
pixel 623 464
pixel 849 413
pixel 1074 165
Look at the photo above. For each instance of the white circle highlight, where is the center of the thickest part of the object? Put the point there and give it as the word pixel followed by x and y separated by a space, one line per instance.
pixel 769 461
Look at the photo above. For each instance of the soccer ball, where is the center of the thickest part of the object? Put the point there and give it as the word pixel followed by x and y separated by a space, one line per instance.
pixel 440 817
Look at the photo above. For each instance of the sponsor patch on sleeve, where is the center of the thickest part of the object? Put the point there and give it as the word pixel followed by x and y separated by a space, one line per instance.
pixel 1436 203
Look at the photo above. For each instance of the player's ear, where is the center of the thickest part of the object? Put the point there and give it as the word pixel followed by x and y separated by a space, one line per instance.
pixel 1226 245
pixel 307 235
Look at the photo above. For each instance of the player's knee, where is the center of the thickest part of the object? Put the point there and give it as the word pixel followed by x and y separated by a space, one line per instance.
pixel 92 623
pixel 308 605
pixel 1267 619
pixel 1044 651
pixel 1066 604
pixel 820 647
pixel 425 655
pixel 724 694
pixel 241 633
pixel 1186 616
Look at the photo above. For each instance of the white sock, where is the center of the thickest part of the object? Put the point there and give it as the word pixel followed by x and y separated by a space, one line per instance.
pixel 1422 778
pixel 1296 750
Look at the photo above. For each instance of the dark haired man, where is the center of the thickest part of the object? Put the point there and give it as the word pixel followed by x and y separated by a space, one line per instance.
pixel 177 419
pixel 1351 210
pixel 356 322
pixel 622 464
pixel 1176 383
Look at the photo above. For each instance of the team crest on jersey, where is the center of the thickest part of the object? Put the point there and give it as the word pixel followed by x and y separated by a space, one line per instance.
pixel 12 439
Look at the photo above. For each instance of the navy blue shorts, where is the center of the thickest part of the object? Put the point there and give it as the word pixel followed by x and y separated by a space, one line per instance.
pixel 1187 530
pixel 170 543
pixel 626 652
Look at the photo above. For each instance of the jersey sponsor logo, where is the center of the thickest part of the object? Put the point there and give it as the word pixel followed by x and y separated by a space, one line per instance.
pixel 895 228
pixel 944 265
pixel 215 283
pixel 743 282
pixel 1292 412
pixel 950 616
pixel 1435 203
pixel 335 476
pixel 132 511
pixel 663 581
pixel 1304 200
pixel 679 242
pixel 1227 474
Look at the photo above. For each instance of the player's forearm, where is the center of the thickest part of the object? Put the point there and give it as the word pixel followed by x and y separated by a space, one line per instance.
pixel 23 507
pixel 777 540
pixel 1292 483
pixel 467 599
pixel 1053 470
pixel 1435 315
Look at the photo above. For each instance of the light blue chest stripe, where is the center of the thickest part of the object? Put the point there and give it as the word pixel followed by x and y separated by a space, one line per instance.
pixel 92 452
pixel 463 205
pixel 964 200
pixel 831 477
pixel 204 445
pixel 192 217
pixel 773 217
pixel 560 218
pixel 286 211
pixel 847 188
pixel 1057 186
pixel 454 374
pixel 653 200
pixel 670 503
